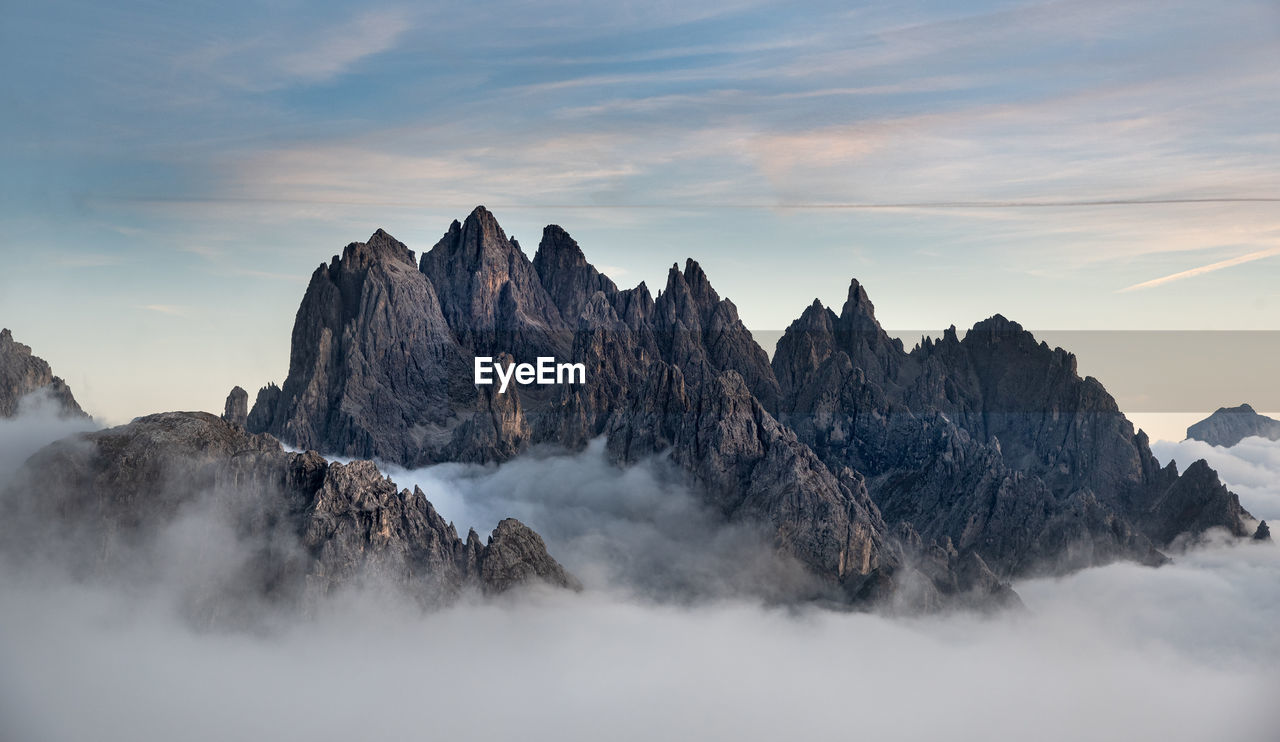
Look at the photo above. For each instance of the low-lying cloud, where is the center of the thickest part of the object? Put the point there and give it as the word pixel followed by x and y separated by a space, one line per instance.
pixel 639 530
pixel 678 636
pixel 38 423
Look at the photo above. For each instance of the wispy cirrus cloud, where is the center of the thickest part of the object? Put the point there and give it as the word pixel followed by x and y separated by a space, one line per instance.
pixel 336 49
pixel 310 53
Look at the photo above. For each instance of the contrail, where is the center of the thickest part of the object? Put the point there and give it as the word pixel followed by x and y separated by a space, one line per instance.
pixel 1246 258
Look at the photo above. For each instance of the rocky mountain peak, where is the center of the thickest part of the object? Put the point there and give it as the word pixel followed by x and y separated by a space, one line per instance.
pixel 858 306
pixel 380 248
pixel 22 373
pixel 481 230
pixel 566 275
pixel 699 285
pixel 471 267
pixel 371 359
pixel 236 410
pixel 858 333
pixel 992 443
pixel 806 344
pixel 1230 425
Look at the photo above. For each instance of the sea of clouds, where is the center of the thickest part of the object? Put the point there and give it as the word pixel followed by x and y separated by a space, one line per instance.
pixel 683 632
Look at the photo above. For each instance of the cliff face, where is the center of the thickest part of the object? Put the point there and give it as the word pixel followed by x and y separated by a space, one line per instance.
pixel 868 462
pixel 310 526
pixel 375 370
pixel 490 294
pixel 22 373
pixel 993 441
pixel 1230 425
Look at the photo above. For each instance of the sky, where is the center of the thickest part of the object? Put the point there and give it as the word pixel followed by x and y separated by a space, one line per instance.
pixel 170 174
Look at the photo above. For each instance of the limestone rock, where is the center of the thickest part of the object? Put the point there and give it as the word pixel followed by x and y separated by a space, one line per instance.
pixel 993 441
pixel 22 373
pixel 374 369
pixel 991 445
pixel 516 555
pixel 490 294
pixel 307 526
pixel 236 409
pixel 1230 425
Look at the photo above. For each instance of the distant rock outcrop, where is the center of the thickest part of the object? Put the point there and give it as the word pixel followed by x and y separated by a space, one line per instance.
pixel 311 526
pixel 1263 532
pixel 236 409
pixel 1229 425
pixel 22 373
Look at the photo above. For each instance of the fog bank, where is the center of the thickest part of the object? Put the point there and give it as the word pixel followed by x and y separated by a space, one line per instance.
pixel 678 636
pixel 1186 652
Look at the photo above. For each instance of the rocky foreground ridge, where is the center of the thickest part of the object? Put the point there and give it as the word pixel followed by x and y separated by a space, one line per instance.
pixel 959 464
pixel 298 526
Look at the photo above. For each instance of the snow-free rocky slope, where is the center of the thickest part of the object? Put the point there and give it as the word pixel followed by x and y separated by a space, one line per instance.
pixel 1230 425
pixel 290 527
pixel 966 461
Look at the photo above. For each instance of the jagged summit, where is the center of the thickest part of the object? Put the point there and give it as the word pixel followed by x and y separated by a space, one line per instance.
pixel 1227 426
pixel 566 275
pixel 22 373
pixel 988 451
pixel 490 294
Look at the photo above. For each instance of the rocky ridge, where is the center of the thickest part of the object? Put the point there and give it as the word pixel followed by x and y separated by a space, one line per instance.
pixel 869 462
pixel 22 373
pixel 306 526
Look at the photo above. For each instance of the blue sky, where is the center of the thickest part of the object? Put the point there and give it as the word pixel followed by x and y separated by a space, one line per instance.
pixel 171 173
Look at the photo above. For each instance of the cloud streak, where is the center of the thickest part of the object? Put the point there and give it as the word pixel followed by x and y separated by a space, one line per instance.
pixel 1210 268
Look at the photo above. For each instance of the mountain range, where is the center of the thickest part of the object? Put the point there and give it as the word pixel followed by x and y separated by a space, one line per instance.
pixel 967 462
pixel 930 477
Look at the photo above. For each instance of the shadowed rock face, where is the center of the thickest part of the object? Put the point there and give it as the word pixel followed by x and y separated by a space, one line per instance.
pixel 1230 425
pixel 311 526
pixel 490 294
pixel 993 442
pixel 874 466
pixel 375 370
pixel 22 373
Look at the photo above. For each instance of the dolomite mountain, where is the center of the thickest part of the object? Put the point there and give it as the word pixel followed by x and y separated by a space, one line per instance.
pixel 22 373
pixel 965 462
pixel 303 527
pixel 1230 425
